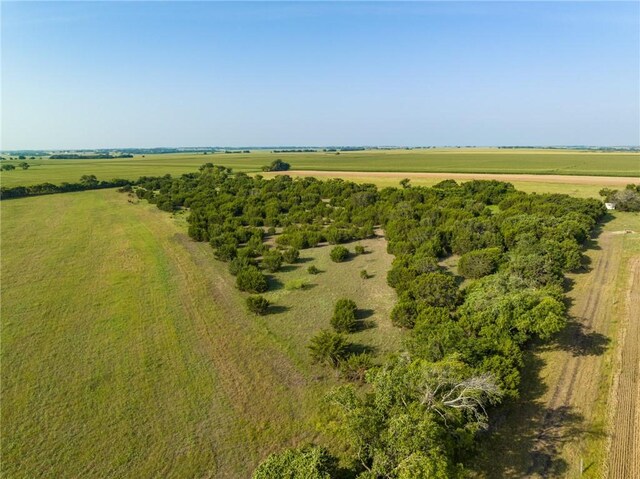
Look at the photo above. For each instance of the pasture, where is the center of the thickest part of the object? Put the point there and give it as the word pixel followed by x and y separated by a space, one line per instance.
pixel 127 351
pixel 454 160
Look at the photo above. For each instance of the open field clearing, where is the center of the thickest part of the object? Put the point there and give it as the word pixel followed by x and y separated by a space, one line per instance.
pixel 563 421
pixel 458 160
pixel 127 352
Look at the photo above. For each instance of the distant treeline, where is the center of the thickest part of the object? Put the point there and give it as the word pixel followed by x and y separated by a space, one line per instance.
pixel 302 150
pixel 98 156
pixel 87 182
pixel 346 148
pixel 237 151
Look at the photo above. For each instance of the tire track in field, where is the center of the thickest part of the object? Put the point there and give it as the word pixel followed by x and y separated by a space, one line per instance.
pixel 590 312
pixel 624 448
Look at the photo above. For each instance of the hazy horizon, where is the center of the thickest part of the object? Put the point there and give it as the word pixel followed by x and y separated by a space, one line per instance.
pixel 83 75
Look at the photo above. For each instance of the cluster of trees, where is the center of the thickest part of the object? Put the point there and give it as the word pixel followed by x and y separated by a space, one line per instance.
pixel 464 346
pixel 277 165
pixel 87 182
pixel 624 200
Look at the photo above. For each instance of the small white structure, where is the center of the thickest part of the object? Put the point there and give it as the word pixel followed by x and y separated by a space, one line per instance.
pixel 610 206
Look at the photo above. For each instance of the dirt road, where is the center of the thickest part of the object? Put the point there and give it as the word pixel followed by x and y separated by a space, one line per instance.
pixel 562 179
pixel 624 449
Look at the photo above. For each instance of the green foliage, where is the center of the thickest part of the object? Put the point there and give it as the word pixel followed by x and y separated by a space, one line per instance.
pixel 294 284
pixel 355 366
pixel 436 289
pixel 7 167
pixel 250 279
pixel 479 263
pixel 328 347
pixel 291 255
pixel 272 260
pixel 277 165
pixel 339 254
pixel 364 274
pixel 309 462
pixel 404 313
pixel 238 264
pixel 417 417
pixel 226 252
pixel 359 249
pixel 313 269
pixel 257 304
pixel 344 316
pixel 624 200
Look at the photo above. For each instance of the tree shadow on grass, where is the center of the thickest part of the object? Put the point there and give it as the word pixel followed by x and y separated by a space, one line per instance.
pixel 364 313
pixel 528 435
pixel 277 309
pixel 274 284
pixel 304 260
pixel 577 339
pixel 287 268
pixel 358 348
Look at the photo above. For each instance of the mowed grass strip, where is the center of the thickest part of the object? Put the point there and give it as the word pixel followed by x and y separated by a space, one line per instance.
pixel 460 160
pixel 127 352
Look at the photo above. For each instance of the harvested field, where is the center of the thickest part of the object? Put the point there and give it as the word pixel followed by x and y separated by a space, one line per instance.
pixel 620 181
pixel 624 449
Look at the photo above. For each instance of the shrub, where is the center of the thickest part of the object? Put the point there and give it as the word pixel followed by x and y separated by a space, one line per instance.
pixel 312 270
pixel 225 252
pixel 291 255
pixel 295 284
pixel 272 260
pixel 238 264
pixel 436 289
pixel 479 263
pixel 328 347
pixel 404 313
pixel 356 366
pixel 364 274
pixel 344 316
pixel 250 279
pixel 309 462
pixel 359 249
pixel 257 304
pixel 339 254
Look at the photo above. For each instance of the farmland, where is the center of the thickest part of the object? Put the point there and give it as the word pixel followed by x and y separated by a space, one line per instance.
pixel 495 161
pixel 93 331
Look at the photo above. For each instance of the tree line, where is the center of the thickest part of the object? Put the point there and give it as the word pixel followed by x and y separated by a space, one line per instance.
pixel 87 182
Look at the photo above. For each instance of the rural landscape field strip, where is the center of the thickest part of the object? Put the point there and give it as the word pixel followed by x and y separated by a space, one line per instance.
pixel 619 181
pixel 624 454
pixel 548 163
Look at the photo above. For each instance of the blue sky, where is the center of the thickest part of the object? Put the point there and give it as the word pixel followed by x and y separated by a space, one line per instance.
pixel 124 74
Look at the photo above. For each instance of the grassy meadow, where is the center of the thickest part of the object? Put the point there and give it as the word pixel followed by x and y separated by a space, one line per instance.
pixel 127 351
pixel 471 160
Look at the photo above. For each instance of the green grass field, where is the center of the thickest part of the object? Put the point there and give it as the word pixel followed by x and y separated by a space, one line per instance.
pixel 126 350
pixel 544 162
